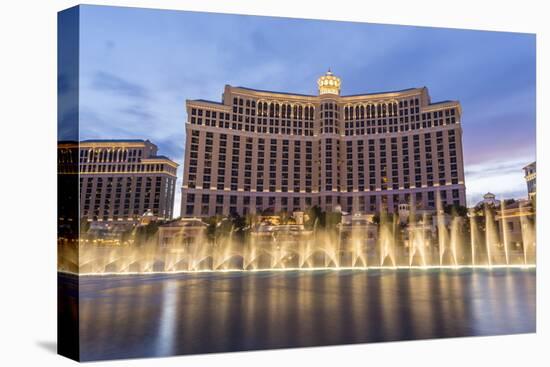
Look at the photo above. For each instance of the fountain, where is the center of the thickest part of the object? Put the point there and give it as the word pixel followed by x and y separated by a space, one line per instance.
pixel 528 236
pixel 387 241
pixel 436 240
pixel 504 234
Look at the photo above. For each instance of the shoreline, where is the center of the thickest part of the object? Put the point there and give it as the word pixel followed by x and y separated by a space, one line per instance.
pixel 316 269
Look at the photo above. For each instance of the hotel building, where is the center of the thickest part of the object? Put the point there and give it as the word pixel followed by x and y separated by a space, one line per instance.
pixel 261 150
pixel 531 179
pixel 120 180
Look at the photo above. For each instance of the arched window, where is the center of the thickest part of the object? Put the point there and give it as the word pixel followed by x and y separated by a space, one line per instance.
pixel 260 108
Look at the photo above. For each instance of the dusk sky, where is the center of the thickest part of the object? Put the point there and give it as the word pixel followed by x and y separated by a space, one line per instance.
pixel 138 66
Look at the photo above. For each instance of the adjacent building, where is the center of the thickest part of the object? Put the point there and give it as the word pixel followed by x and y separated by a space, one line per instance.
pixel 261 150
pixel 531 179
pixel 120 180
pixel 516 222
pixel 182 231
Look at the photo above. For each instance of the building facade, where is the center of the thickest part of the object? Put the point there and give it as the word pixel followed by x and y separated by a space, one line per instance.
pixel 531 179
pixel 516 223
pixel 120 180
pixel 261 150
pixel 185 231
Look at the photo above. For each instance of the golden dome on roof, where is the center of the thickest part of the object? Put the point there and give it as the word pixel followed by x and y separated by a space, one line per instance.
pixel 329 83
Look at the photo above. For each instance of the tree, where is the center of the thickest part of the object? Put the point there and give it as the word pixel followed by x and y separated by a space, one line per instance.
pixel 126 235
pixel 283 217
pixel 238 222
pixel 251 219
pixel 509 202
pixel 221 227
pixel 332 219
pixel 453 209
pixel 313 215
pixel 145 233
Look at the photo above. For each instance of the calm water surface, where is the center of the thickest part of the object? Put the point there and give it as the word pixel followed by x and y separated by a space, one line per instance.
pixel 161 315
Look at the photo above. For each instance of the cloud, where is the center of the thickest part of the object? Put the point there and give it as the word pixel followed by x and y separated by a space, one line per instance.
pixel 503 178
pixel 138 112
pixel 485 109
pixel 111 83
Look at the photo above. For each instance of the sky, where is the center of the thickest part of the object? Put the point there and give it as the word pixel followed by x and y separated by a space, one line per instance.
pixel 138 66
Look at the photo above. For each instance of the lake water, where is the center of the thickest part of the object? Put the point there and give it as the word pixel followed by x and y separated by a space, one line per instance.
pixel 163 315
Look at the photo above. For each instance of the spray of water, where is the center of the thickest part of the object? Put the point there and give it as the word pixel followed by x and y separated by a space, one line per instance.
pixel 456 242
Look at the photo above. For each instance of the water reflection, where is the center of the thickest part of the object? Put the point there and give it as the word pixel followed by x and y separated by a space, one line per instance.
pixel 160 315
pixel 168 318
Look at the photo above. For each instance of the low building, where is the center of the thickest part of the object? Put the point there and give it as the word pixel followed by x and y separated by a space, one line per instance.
pixel 147 218
pixel 403 210
pixel 281 232
pixel 517 220
pixel 273 226
pixel 490 200
pixel 358 227
pixel 181 231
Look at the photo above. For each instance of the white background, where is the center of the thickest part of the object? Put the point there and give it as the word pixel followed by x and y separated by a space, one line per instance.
pixel 28 169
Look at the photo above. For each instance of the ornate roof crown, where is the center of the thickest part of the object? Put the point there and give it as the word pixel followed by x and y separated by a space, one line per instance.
pixel 329 83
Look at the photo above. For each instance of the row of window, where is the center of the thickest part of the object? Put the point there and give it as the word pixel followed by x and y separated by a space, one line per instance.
pixel 207 204
pixel 125 168
pixel 126 195
pixel 384 170
pixel 329 125
pixel 110 155
pixel 285 118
